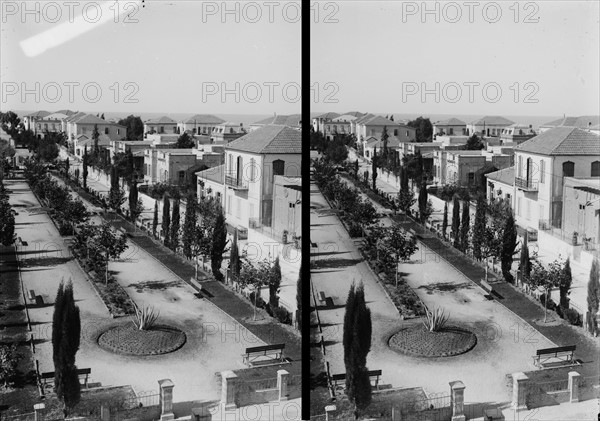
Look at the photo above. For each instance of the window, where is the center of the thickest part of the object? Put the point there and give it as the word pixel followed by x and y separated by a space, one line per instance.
pixel 106 130
pixel 596 169
pixel 542 171
pixel 471 178
pixel 181 176
pixel 568 169
pixel 407 135
pixel 278 167
pixel 395 132
pixel 118 131
pixel 239 169
pixel 162 129
pixel 529 170
pixel 451 131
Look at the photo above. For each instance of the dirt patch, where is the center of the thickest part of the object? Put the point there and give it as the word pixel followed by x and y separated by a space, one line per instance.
pixel 445 287
pixel 154 285
pixel 418 341
pixel 128 340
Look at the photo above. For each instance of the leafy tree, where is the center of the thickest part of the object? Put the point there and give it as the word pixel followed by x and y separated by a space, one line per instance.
pixel 357 344
pixel 7 223
pixel 479 226
pixel 398 244
pixel 174 238
pixel 336 150
pixel 547 279
pixel 108 244
pixel 135 127
pixel 66 332
pixel 465 227
pixel 95 138
pixel 9 362
pixel 474 143
pixel 255 276
pixel 456 222
pixel 185 141
pixel 424 129
pixel 384 138
pixel 509 244
pixel 189 225
pixel 274 284
pixel 155 219
pixel 10 123
pixel 565 286
pixel 299 300
pixel 67 167
pixel 85 168
pixel 166 220
pixel 413 165
pixel 593 297
pixel 425 206
pixel 445 220
pixel 219 242
pixel 234 258
pixel 133 199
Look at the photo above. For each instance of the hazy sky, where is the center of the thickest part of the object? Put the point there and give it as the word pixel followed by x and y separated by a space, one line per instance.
pixel 381 55
pixel 177 52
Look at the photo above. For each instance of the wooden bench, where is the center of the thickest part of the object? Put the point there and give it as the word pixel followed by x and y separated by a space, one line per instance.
pixel 489 289
pixel 564 354
pixel 374 376
pixel 275 352
pixel 32 295
pixel 493 414
pixel 322 296
pixel 82 373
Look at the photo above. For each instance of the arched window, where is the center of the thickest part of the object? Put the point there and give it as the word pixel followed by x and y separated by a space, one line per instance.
pixel 568 169
pixel 278 167
pixel 596 169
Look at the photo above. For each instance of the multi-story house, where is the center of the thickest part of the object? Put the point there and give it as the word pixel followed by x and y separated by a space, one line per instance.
pixel 586 122
pixel 294 121
pixel 168 165
pixel 287 207
pixel 372 126
pixel 488 126
pixel 251 164
pixel 29 120
pixel 226 132
pixel 200 124
pixel 542 163
pixel 85 124
pixel 461 167
pixel 338 125
pixel 211 183
pixel 320 120
pixel 516 134
pixel 450 127
pixel 501 184
pixel 161 125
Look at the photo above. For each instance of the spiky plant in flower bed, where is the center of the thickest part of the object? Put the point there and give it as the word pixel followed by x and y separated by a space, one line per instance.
pixel 435 320
pixel 145 318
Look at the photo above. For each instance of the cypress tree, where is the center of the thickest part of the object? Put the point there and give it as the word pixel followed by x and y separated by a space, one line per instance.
pixel 133 201
pixel 456 221
pixel 234 258
pixel 155 220
pixel 509 243
pixel 67 167
pixel 66 333
pixel 85 167
pixel 465 226
pixel 565 284
pixel 175 222
pixel 479 226
pixel 189 225
pixel 423 203
pixel 593 297
pixel 374 169
pixel 166 220
pixel 525 262
pixel 445 220
pixel 219 241
pixel 274 284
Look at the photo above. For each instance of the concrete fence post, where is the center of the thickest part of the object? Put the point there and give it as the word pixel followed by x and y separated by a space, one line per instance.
pixel 457 400
pixel 166 400
pixel 520 385
pixel 282 384
pixel 228 388
pixel 39 411
pixel 574 378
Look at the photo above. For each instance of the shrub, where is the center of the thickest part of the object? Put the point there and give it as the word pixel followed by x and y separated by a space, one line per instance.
pixel 9 359
pixel 435 320
pixel 573 317
pixel 283 315
pixel 145 317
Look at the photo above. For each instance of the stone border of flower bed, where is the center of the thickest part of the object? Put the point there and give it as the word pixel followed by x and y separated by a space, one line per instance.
pixel 115 340
pixel 434 339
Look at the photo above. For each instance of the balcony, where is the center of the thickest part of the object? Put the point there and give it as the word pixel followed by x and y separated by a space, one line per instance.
pixel 526 185
pixel 232 181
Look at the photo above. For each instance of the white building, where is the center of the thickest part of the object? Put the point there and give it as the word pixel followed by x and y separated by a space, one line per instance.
pixel 199 124
pixel 488 126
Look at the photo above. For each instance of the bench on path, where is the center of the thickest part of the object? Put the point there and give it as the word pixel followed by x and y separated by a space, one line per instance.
pixel 374 375
pixel 562 355
pixel 273 352
pixel 82 373
pixel 489 289
pixel 322 296
pixel 493 414
pixel 32 295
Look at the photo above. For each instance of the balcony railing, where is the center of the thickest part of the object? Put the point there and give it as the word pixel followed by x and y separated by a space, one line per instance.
pixel 525 184
pixel 231 180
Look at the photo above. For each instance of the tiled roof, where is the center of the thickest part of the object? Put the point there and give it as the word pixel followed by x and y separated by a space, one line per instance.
pixel 562 141
pixel 216 174
pixel 580 122
pixel 373 142
pixel 493 120
pixel 203 119
pixel 56 116
pixel 161 120
pixel 103 140
pixel 379 121
pixel 344 118
pixel 92 119
pixel 38 114
pixel 506 175
pixel 67 112
pixel 285 120
pixel 75 117
pixel 356 114
pixel 328 116
pixel 450 122
pixel 274 139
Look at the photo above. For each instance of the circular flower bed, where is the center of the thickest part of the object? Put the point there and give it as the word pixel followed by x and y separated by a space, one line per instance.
pixel 418 341
pixel 129 340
